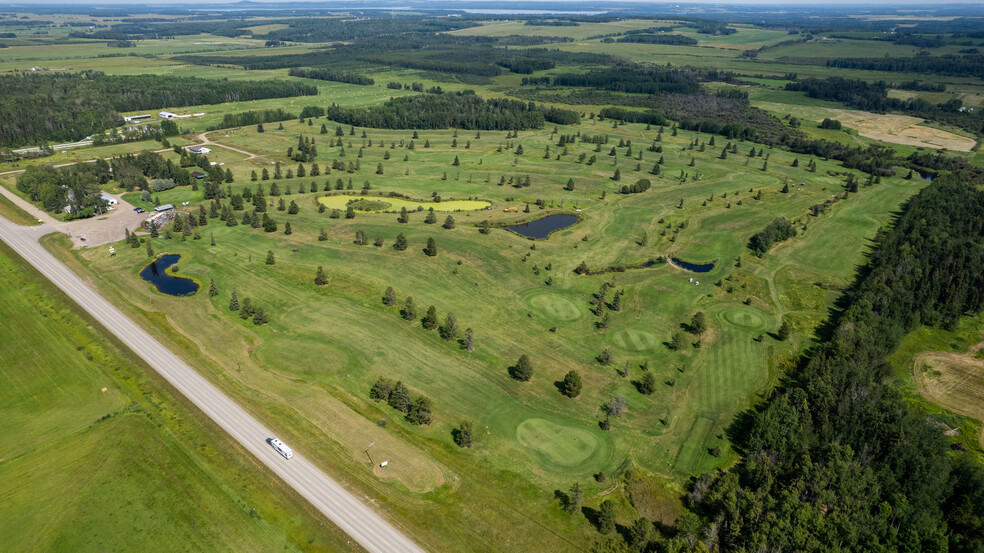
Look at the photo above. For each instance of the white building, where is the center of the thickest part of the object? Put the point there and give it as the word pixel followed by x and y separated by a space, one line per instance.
pixel 109 199
pixel 199 149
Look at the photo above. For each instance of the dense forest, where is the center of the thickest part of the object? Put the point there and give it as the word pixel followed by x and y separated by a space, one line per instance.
pixel 459 110
pixel 646 38
pixel 63 107
pixel 957 66
pixel 331 75
pixel 254 117
pixel 836 459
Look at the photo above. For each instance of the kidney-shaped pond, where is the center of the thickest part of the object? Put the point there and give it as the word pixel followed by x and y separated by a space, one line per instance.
pixel 542 228
pixel 156 274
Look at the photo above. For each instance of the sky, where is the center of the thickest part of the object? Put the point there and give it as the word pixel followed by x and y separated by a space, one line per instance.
pixel 516 4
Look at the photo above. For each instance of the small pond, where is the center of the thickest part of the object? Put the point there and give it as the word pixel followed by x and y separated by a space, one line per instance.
pixel 156 274
pixel 694 267
pixel 542 228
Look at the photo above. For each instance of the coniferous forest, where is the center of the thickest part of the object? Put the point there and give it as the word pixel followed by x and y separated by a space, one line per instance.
pixel 55 107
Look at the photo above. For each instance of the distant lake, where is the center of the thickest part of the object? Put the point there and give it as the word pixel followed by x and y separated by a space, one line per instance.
pixel 156 274
pixel 541 228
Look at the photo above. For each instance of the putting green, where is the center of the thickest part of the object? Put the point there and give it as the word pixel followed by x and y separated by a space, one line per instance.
pixel 395 204
pixel 743 317
pixel 556 306
pixel 633 340
pixel 561 445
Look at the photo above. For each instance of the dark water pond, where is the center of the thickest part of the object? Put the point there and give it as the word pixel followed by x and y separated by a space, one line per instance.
pixel 156 274
pixel 695 267
pixel 541 228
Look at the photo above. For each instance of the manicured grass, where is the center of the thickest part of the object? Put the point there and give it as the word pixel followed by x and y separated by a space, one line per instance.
pixel 310 369
pixel 97 456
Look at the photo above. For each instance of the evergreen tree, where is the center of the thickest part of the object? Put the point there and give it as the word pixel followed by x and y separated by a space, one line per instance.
pixel 320 279
pixel 431 217
pixel 571 385
pixel 269 257
pixel 259 317
pixel 469 340
pixel 647 384
pixel 399 398
pixel 698 324
pixel 575 496
pixel 389 297
pixel 606 516
pixel 431 249
pixel 784 331
pixel 523 370
pixel 401 243
pixel 234 301
pixel 449 223
pixel 409 311
pixel 429 320
pixel 450 329
pixel 150 249
pixel 212 290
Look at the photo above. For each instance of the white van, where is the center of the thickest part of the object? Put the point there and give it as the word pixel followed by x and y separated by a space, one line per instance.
pixel 282 448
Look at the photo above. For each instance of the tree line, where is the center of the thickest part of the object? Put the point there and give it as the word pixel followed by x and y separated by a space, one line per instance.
pixel 458 110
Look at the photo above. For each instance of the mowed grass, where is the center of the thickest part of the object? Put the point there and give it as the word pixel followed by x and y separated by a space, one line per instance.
pixel 389 204
pixel 310 369
pixel 97 457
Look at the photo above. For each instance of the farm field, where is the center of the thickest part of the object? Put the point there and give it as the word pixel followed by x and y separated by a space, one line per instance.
pixel 98 456
pixel 944 371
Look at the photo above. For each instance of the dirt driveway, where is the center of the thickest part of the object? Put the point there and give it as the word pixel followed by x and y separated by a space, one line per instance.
pixel 104 229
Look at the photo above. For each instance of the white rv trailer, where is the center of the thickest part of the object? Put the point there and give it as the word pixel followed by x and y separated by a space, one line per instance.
pixel 282 448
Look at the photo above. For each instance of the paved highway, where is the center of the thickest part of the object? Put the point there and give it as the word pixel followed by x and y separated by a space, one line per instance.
pixel 341 507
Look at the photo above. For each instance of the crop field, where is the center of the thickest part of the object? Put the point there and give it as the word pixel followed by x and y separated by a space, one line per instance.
pixel 324 346
pixel 98 457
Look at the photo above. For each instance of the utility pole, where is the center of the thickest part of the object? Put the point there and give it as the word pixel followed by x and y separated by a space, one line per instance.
pixel 371 462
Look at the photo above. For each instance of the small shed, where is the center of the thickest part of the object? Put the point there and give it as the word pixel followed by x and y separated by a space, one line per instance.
pixel 163 207
pixel 198 175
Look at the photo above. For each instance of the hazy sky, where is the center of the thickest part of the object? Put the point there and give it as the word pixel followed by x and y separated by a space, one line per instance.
pixel 517 4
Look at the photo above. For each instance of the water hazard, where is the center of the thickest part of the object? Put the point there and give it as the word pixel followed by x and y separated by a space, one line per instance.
pixel 542 228
pixel 156 274
pixel 694 267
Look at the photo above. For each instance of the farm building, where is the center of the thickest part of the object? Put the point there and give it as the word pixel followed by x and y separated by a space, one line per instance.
pixel 136 118
pixel 199 149
pixel 163 207
pixel 198 175
pixel 108 199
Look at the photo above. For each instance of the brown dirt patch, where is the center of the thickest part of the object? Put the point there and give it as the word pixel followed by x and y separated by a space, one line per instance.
pixel 953 381
pixel 901 129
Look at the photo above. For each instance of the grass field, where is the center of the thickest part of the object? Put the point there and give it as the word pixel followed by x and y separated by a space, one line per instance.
pixel 97 456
